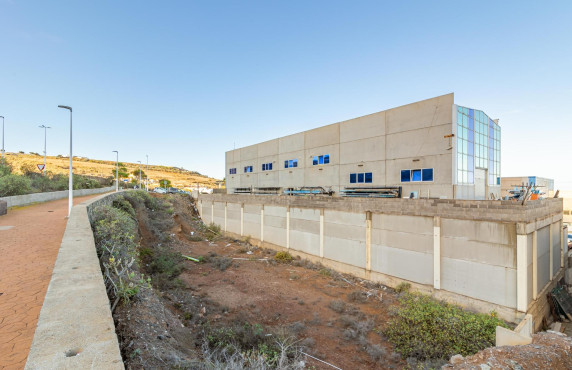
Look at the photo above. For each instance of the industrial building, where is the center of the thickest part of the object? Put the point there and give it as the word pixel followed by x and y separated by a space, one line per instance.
pixel 432 149
pixel 544 187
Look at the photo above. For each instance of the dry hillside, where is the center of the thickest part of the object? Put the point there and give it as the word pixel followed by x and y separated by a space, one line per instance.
pixel 179 177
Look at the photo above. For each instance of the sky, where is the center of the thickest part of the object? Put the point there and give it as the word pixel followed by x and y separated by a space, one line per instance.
pixel 185 81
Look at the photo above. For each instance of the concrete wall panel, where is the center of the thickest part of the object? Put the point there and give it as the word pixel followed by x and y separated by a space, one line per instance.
pixel 543 253
pixel 252 220
pixel 556 247
pixel 362 127
pixel 322 136
pixel 268 148
pixel 364 150
pixel 405 264
pixel 291 143
pixel 490 283
pixel 347 251
pixel 233 217
pixel 486 232
pixel 426 113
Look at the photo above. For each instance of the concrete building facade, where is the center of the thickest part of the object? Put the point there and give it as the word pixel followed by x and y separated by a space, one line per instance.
pixel 432 147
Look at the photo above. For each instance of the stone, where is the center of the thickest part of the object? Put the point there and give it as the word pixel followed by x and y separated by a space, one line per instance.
pixel 456 359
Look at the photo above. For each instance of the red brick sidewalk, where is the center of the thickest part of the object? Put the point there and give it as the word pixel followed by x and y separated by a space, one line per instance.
pixel 30 238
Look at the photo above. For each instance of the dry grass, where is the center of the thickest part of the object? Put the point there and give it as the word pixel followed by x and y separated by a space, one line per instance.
pixel 92 167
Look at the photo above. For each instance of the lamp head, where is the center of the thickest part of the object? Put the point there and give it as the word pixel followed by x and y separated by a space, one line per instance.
pixel 65 107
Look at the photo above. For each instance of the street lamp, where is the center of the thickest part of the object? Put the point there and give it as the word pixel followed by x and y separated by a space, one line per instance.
pixel 117 172
pixel 45 153
pixel 70 198
pixel 147 174
pixel 2 138
pixel 139 175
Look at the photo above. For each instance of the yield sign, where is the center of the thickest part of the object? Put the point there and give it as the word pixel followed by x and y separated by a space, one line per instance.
pixel 41 167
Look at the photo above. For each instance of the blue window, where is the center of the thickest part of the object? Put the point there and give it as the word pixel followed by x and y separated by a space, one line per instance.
pixel 232 171
pixel 405 175
pixel 321 159
pixel 415 175
pixel 247 169
pixel 427 174
pixel 361 177
pixel 266 166
pixel 471 112
pixel 290 163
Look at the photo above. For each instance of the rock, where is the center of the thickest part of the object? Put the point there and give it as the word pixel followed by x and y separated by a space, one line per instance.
pixel 485 367
pixel 456 359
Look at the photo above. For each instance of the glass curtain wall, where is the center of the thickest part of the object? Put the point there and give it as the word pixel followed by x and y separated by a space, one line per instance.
pixel 478 146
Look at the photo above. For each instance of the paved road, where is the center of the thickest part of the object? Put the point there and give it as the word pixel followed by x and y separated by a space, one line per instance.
pixel 30 238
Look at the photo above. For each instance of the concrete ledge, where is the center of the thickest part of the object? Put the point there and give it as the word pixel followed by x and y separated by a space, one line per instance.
pixel 75 329
pixel 23 200
pixel 507 337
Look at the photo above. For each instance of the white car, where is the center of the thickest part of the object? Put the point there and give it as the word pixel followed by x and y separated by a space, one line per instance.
pixel 159 190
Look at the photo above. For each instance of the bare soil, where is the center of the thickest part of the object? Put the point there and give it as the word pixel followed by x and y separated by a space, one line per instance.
pixel 336 318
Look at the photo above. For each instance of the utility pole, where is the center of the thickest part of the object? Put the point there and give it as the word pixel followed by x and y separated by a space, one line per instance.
pixel 117 172
pixel 147 174
pixel 139 174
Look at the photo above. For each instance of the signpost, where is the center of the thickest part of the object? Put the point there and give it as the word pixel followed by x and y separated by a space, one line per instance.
pixel 41 167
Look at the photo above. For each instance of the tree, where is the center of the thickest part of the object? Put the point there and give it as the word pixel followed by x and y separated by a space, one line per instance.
pixel 123 172
pixel 164 183
pixel 136 174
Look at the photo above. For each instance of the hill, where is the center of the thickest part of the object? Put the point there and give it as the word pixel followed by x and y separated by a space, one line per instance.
pixel 179 177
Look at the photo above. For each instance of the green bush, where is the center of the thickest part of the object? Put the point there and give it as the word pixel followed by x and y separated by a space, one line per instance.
pixel 14 185
pixel 425 328
pixel 124 205
pixel 5 169
pixel 283 257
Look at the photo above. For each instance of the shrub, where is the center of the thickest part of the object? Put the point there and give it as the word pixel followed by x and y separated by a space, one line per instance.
pixel 403 287
pixel 357 296
pixel 337 305
pixel 14 185
pixel 222 263
pixel 5 169
pixel 425 328
pixel 124 205
pixel 283 257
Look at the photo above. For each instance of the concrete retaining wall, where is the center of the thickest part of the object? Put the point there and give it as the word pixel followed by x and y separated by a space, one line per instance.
pixel 22 200
pixel 75 316
pixel 487 255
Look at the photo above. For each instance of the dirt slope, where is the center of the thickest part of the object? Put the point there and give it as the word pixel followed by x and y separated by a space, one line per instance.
pixel 84 166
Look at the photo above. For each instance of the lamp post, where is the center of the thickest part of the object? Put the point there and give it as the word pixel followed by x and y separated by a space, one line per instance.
pixel 147 174
pixel 70 198
pixel 2 138
pixel 139 174
pixel 117 172
pixel 45 140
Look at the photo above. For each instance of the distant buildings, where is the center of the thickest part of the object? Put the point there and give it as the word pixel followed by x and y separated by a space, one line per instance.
pixel 544 185
pixel 432 148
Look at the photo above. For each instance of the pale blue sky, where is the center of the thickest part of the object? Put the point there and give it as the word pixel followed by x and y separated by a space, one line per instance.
pixel 184 81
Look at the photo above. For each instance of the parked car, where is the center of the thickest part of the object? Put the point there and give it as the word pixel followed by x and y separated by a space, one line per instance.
pixel 172 190
pixel 159 190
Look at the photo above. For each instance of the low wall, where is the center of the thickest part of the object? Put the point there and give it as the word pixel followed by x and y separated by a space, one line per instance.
pixel 484 255
pixel 22 200
pixel 75 329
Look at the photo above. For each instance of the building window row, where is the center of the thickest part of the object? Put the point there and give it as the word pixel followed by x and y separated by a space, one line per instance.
pixel 266 167
pixel 418 175
pixel 247 169
pixel 321 159
pixel 232 171
pixel 291 163
pixel 364 177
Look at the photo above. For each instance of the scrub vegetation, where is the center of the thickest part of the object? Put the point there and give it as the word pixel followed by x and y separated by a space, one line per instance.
pixel 424 329
pixel 32 181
